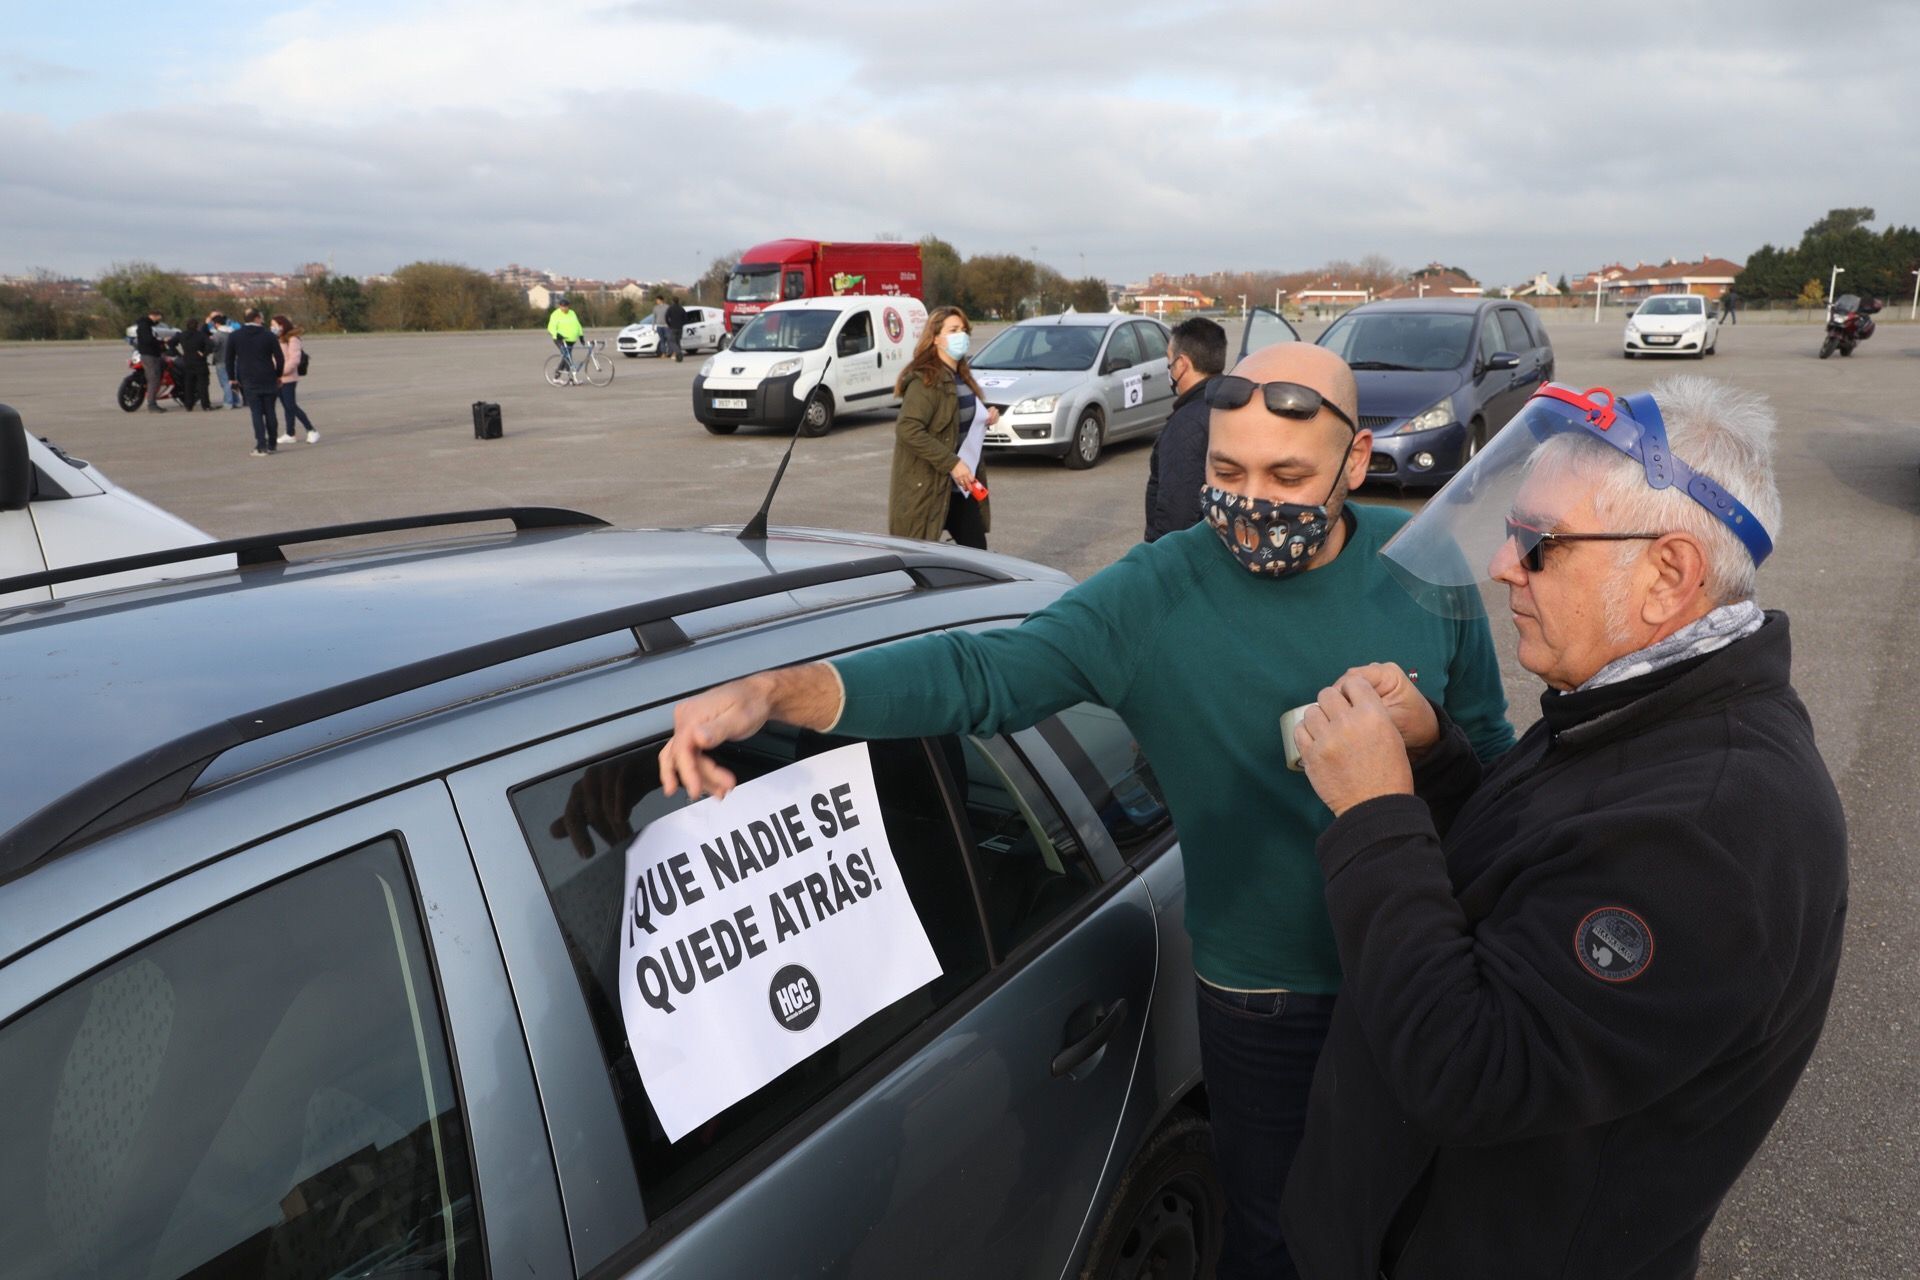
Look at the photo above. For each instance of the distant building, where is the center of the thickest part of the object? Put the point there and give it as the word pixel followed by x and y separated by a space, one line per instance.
pixel 1707 276
pixel 1435 281
pixel 1326 291
pixel 1538 287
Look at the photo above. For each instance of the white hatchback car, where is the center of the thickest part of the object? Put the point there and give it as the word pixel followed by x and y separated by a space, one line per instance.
pixel 706 330
pixel 1673 324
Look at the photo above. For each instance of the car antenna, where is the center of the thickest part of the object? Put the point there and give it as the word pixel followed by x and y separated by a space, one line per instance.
pixel 755 530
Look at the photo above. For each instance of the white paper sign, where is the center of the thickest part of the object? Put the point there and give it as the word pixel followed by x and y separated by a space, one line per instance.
pixel 1135 392
pixel 988 380
pixel 760 929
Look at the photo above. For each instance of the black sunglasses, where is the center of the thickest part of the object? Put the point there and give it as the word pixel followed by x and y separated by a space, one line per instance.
pixel 1534 554
pixel 1288 399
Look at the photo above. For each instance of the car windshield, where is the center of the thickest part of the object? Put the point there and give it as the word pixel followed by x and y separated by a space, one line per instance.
pixel 786 330
pixel 1042 346
pixel 757 283
pixel 1672 307
pixel 1392 341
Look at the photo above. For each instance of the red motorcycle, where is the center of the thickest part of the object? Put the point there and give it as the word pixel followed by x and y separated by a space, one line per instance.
pixel 133 387
pixel 1849 323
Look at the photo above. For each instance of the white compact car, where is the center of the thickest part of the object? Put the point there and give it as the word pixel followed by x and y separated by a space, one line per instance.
pixel 57 512
pixel 1673 324
pixel 798 364
pixel 706 330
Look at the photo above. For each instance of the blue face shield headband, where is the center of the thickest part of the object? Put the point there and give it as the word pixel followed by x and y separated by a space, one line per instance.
pixel 1633 425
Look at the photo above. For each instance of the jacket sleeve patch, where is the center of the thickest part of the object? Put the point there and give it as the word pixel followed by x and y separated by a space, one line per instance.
pixel 1613 944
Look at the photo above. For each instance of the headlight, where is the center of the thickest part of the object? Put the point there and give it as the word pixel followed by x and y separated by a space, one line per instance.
pixel 706 370
pixel 1036 404
pixel 1438 416
pixel 783 368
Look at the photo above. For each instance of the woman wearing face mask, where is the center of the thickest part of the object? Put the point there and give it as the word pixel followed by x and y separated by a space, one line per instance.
pixel 942 417
pixel 289 336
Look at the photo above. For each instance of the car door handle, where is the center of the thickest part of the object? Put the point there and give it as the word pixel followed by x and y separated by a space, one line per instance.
pixel 879 358
pixel 1106 1022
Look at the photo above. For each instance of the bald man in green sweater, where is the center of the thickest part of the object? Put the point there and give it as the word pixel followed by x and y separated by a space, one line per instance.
pixel 1199 640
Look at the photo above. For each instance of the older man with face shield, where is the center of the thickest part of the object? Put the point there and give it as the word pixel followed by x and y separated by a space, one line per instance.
pixel 1200 640
pixel 1583 980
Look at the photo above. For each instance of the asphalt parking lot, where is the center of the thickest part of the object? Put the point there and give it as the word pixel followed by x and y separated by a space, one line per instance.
pixel 1836 1191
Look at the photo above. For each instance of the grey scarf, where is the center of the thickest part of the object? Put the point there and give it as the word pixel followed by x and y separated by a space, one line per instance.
pixel 1717 630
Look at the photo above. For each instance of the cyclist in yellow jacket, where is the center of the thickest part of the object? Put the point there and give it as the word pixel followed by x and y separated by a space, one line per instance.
pixel 563 326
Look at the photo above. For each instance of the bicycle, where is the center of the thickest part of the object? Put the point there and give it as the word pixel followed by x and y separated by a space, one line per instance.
pixel 563 371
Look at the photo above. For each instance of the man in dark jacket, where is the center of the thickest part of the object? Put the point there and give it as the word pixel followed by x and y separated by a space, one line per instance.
pixel 153 357
pixel 191 371
pixel 255 359
pixel 1177 469
pixel 675 333
pixel 1581 981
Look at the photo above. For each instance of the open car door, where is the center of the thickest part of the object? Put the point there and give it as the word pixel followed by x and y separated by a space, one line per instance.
pixel 1264 327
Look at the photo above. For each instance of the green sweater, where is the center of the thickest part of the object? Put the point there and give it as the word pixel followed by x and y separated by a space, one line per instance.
pixel 1201 658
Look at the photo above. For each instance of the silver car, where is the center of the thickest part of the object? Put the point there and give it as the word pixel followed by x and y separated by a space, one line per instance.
pixel 311 899
pixel 1067 384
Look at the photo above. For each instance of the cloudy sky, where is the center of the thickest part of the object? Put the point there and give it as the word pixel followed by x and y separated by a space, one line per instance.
pixel 612 139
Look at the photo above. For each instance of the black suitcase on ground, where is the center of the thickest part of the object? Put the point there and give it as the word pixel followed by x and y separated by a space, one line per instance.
pixel 486 420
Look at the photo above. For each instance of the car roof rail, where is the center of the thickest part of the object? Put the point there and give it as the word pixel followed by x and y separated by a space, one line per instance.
pixel 269 548
pixel 162 777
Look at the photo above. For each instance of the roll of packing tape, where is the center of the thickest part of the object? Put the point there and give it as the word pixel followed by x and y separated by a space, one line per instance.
pixel 1288 723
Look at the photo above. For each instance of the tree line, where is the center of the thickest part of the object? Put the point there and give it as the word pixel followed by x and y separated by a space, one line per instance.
pixel 1877 263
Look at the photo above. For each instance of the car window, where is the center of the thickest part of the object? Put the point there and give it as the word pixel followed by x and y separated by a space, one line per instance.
pixel 1121 347
pixel 1151 340
pixel 1539 327
pixel 1099 750
pixel 264 1091
pixel 577 824
pixel 1030 866
pixel 1519 341
pixel 1491 343
pixel 796 285
pixel 1041 346
pixel 857 336
pixel 1397 340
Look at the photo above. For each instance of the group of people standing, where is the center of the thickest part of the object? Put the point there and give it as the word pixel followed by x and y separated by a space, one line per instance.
pixel 259 363
pixel 1466 1005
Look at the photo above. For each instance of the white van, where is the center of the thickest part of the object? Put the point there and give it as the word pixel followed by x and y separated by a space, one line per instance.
pixel 57 512
pixel 799 363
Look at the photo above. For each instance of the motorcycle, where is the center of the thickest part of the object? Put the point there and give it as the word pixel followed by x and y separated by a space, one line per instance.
pixel 1849 323
pixel 133 387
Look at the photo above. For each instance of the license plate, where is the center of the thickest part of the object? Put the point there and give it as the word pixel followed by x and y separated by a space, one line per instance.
pixel 728 403
pixel 1661 339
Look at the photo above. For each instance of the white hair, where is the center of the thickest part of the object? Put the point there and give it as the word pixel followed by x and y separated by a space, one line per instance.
pixel 1722 432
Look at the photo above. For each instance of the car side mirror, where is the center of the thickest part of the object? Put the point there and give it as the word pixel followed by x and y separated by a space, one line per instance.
pixel 1115 364
pixel 16 464
pixel 1503 360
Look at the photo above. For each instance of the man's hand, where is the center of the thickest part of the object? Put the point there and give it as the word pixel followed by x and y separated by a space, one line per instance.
pixel 1410 712
pixel 1352 749
pixel 602 804
pixel 806 696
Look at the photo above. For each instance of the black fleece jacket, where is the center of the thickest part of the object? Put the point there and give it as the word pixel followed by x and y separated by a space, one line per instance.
pixel 1579 989
pixel 1178 466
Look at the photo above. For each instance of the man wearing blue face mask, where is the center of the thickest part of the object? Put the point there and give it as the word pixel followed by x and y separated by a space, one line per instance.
pixel 1200 640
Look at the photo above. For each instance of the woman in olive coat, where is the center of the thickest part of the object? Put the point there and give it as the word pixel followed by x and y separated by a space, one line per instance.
pixel 931 484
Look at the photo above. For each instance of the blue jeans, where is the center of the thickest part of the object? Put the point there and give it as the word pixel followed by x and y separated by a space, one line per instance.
pixel 1257 1052
pixel 229 394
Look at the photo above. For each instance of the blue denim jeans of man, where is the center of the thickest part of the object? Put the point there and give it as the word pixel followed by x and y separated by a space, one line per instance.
pixel 1257 1052
pixel 229 391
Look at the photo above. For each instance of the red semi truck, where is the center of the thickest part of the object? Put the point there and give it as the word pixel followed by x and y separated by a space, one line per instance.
pixel 781 270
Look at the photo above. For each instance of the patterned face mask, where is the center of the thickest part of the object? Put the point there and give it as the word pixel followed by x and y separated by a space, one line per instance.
pixel 1273 539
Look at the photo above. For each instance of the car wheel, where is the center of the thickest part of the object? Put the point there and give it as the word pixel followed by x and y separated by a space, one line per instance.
pixel 631 355
pixel 1084 449
pixel 1626 355
pixel 817 417
pixel 721 428
pixel 1476 439
pixel 1164 1220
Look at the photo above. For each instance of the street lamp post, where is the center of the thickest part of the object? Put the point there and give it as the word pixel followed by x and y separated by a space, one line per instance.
pixel 1599 283
pixel 1913 312
pixel 1243 304
pixel 1832 280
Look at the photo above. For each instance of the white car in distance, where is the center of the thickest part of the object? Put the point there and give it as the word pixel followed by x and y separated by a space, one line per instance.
pixel 1673 324
pixel 706 330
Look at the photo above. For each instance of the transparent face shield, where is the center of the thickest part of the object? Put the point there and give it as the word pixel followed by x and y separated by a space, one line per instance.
pixel 1532 481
